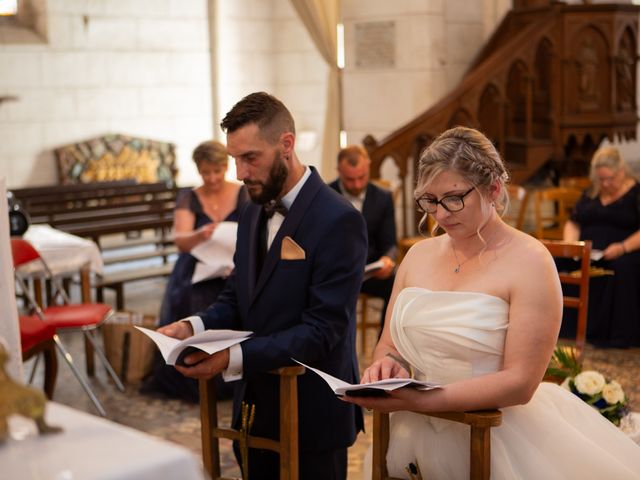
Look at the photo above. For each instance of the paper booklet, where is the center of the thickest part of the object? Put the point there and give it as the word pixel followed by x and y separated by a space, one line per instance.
pixel 371 268
pixel 379 388
pixel 215 256
pixel 210 341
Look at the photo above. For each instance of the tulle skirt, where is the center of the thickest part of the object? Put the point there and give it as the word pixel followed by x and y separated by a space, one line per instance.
pixel 554 436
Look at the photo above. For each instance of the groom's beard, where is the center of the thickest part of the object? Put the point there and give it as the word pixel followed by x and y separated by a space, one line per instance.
pixel 272 187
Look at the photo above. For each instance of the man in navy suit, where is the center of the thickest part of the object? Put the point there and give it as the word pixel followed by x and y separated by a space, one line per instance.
pixel 298 269
pixel 376 205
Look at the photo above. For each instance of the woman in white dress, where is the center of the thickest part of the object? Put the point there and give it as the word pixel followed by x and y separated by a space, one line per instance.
pixel 478 309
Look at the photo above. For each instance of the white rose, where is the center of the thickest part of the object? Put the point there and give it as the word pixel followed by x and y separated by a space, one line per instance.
pixel 613 393
pixel 589 382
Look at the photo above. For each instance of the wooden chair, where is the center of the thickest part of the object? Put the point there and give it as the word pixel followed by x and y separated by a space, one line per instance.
pixel 364 322
pixel 550 225
pixel 578 183
pixel 519 200
pixel 287 447
pixel 580 277
pixel 480 423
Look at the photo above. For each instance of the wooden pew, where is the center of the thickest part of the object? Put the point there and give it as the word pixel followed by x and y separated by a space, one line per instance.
pixel 106 210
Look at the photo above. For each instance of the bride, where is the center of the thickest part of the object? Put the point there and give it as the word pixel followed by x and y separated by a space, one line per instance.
pixel 478 310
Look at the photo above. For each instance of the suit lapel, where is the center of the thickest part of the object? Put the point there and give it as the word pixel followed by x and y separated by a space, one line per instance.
pixel 254 238
pixel 288 228
pixel 368 202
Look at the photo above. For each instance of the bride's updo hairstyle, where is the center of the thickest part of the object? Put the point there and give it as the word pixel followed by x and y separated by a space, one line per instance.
pixel 470 154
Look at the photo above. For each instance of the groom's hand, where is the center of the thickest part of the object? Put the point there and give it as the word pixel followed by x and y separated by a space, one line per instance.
pixel 179 330
pixel 204 366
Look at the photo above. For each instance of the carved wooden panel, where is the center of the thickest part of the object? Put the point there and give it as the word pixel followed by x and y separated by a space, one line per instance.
pixel 489 113
pixel 517 98
pixel 588 70
pixel 625 71
pixel 542 90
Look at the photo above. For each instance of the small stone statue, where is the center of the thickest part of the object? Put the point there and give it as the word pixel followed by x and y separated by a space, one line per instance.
pixel 18 399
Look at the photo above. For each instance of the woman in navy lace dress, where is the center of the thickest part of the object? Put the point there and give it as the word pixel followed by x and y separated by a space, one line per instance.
pixel 197 213
pixel 608 214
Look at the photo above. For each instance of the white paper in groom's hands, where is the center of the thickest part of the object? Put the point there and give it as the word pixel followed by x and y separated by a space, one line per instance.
pixel 215 256
pixel 340 387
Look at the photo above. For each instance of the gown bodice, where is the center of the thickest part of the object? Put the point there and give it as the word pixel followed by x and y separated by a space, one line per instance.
pixel 449 336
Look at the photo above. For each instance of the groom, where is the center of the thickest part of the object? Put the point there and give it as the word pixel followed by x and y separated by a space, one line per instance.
pixel 298 269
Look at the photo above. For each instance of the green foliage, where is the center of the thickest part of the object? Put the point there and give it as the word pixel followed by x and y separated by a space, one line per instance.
pixel 564 363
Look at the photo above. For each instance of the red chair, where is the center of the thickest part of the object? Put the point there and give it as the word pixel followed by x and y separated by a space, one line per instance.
pixel 37 337
pixel 86 317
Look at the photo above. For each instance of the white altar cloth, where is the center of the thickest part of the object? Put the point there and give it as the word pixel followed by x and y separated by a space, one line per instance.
pixel 91 448
pixel 62 251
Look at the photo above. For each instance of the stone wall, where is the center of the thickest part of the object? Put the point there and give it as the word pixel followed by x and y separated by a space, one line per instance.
pixel 147 68
pixel 262 45
pixel 431 44
pixel 138 67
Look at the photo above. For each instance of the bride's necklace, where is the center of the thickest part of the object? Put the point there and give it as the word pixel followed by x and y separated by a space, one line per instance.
pixel 457 268
pixel 459 263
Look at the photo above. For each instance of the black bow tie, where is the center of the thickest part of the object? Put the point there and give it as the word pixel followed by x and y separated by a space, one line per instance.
pixel 274 206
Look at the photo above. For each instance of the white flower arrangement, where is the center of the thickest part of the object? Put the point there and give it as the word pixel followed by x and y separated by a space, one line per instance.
pixel 589 382
pixel 591 386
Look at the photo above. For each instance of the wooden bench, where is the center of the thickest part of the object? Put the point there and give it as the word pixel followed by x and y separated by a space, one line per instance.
pixel 137 214
pixel 99 209
pixel 116 280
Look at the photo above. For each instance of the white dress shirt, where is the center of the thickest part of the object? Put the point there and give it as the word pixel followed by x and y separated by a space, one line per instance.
pixel 356 200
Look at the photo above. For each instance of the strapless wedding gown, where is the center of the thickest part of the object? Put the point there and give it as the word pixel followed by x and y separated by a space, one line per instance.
pixel 450 336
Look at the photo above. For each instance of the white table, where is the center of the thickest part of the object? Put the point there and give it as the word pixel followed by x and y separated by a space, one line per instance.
pixel 91 448
pixel 65 253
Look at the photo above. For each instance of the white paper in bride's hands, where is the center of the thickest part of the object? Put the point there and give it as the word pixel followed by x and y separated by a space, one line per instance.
pixel 340 387
pixel 209 341
pixel 215 256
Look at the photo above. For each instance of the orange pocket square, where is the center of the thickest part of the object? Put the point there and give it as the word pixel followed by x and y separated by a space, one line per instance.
pixel 290 250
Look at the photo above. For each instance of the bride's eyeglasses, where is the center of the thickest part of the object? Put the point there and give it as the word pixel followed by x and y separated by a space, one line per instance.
pixel 451 203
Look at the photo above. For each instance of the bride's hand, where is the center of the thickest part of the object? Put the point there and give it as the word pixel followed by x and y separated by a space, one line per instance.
pixel 384 368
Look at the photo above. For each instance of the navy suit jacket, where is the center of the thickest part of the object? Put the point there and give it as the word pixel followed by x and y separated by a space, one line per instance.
pixel 379 214
pixel 302 309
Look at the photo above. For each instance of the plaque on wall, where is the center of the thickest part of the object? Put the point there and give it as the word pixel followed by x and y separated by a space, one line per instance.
pixel 376 44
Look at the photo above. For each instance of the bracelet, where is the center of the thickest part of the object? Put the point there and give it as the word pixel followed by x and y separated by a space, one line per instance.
pixel 624 249
pixel 406 365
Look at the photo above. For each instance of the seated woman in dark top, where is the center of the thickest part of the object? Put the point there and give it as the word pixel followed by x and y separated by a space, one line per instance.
pixel 608 214
pixel 197 213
